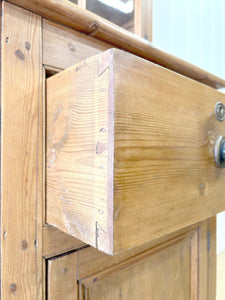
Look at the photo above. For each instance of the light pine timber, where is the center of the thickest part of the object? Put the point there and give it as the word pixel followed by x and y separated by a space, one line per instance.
pixel 56 242
pixel 182 260
pixel 71 15
pixel 165 261
pixel 143 18
pixel 148 19
pixel 212 258
pixel 167 269
pixel 63 47
pixel 130 153
pixel 21 155
pixel 92 263
pixel 62 283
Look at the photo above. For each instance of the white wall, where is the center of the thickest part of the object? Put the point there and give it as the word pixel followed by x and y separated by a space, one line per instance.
pixel 194 30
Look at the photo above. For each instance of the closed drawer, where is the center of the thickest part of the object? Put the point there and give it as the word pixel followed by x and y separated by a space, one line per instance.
pixel 130 151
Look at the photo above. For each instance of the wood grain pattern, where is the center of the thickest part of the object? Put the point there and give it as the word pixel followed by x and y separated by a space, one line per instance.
pixel 92 261
pixel 160 273
pixel 144 141
pixel 203 260
pixel 212 258
pixel 63 47
pixel 165 176
pixel 21 155
pixel 177 265
pixel 56 242
pixel 71 15
pixel 93 181
pixel 62 283
pixel 22 192
pixel 194 265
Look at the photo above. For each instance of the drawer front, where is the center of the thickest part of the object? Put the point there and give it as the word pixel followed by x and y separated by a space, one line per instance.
pixel 130 151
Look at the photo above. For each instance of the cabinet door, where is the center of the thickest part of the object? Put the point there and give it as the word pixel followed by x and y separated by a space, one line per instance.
pixel 166 274
pixel 61 277
pixel 130 151
pixel 175 269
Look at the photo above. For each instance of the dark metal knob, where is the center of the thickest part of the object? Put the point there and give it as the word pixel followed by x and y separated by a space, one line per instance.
pixel 220 152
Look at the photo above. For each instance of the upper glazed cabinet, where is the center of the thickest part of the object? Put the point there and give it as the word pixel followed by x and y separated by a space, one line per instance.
pixel 132 15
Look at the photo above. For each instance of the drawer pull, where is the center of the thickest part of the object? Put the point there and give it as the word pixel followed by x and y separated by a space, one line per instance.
pixel 220 111
pixel 220 152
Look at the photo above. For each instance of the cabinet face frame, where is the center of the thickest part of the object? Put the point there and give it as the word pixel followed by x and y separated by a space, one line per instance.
pixel 21 153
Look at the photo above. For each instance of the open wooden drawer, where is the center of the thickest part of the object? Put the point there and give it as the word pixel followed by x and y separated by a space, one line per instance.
pixel 130 151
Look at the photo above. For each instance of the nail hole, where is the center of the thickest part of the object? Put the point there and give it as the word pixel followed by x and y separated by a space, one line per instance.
pixel 13 288
pixel 24 245
pixel 27 46
pixel 71 47
pixel 4 235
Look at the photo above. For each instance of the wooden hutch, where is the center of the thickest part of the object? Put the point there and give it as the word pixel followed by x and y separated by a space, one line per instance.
pixel 105 141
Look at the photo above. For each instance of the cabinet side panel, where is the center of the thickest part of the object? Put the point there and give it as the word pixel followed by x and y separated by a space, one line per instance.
pixel 21 166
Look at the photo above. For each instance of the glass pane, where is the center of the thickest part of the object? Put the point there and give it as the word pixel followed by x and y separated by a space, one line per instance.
pixel 74 1
pixel 220 290
pixel 119 12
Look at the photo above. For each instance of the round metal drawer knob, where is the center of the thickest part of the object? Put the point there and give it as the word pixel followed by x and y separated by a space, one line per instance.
pixel 220 111
pixel 220 152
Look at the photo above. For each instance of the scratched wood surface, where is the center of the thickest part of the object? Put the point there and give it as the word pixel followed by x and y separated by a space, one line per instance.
pixel 21 150
pixel 118 180
pixel 62 283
